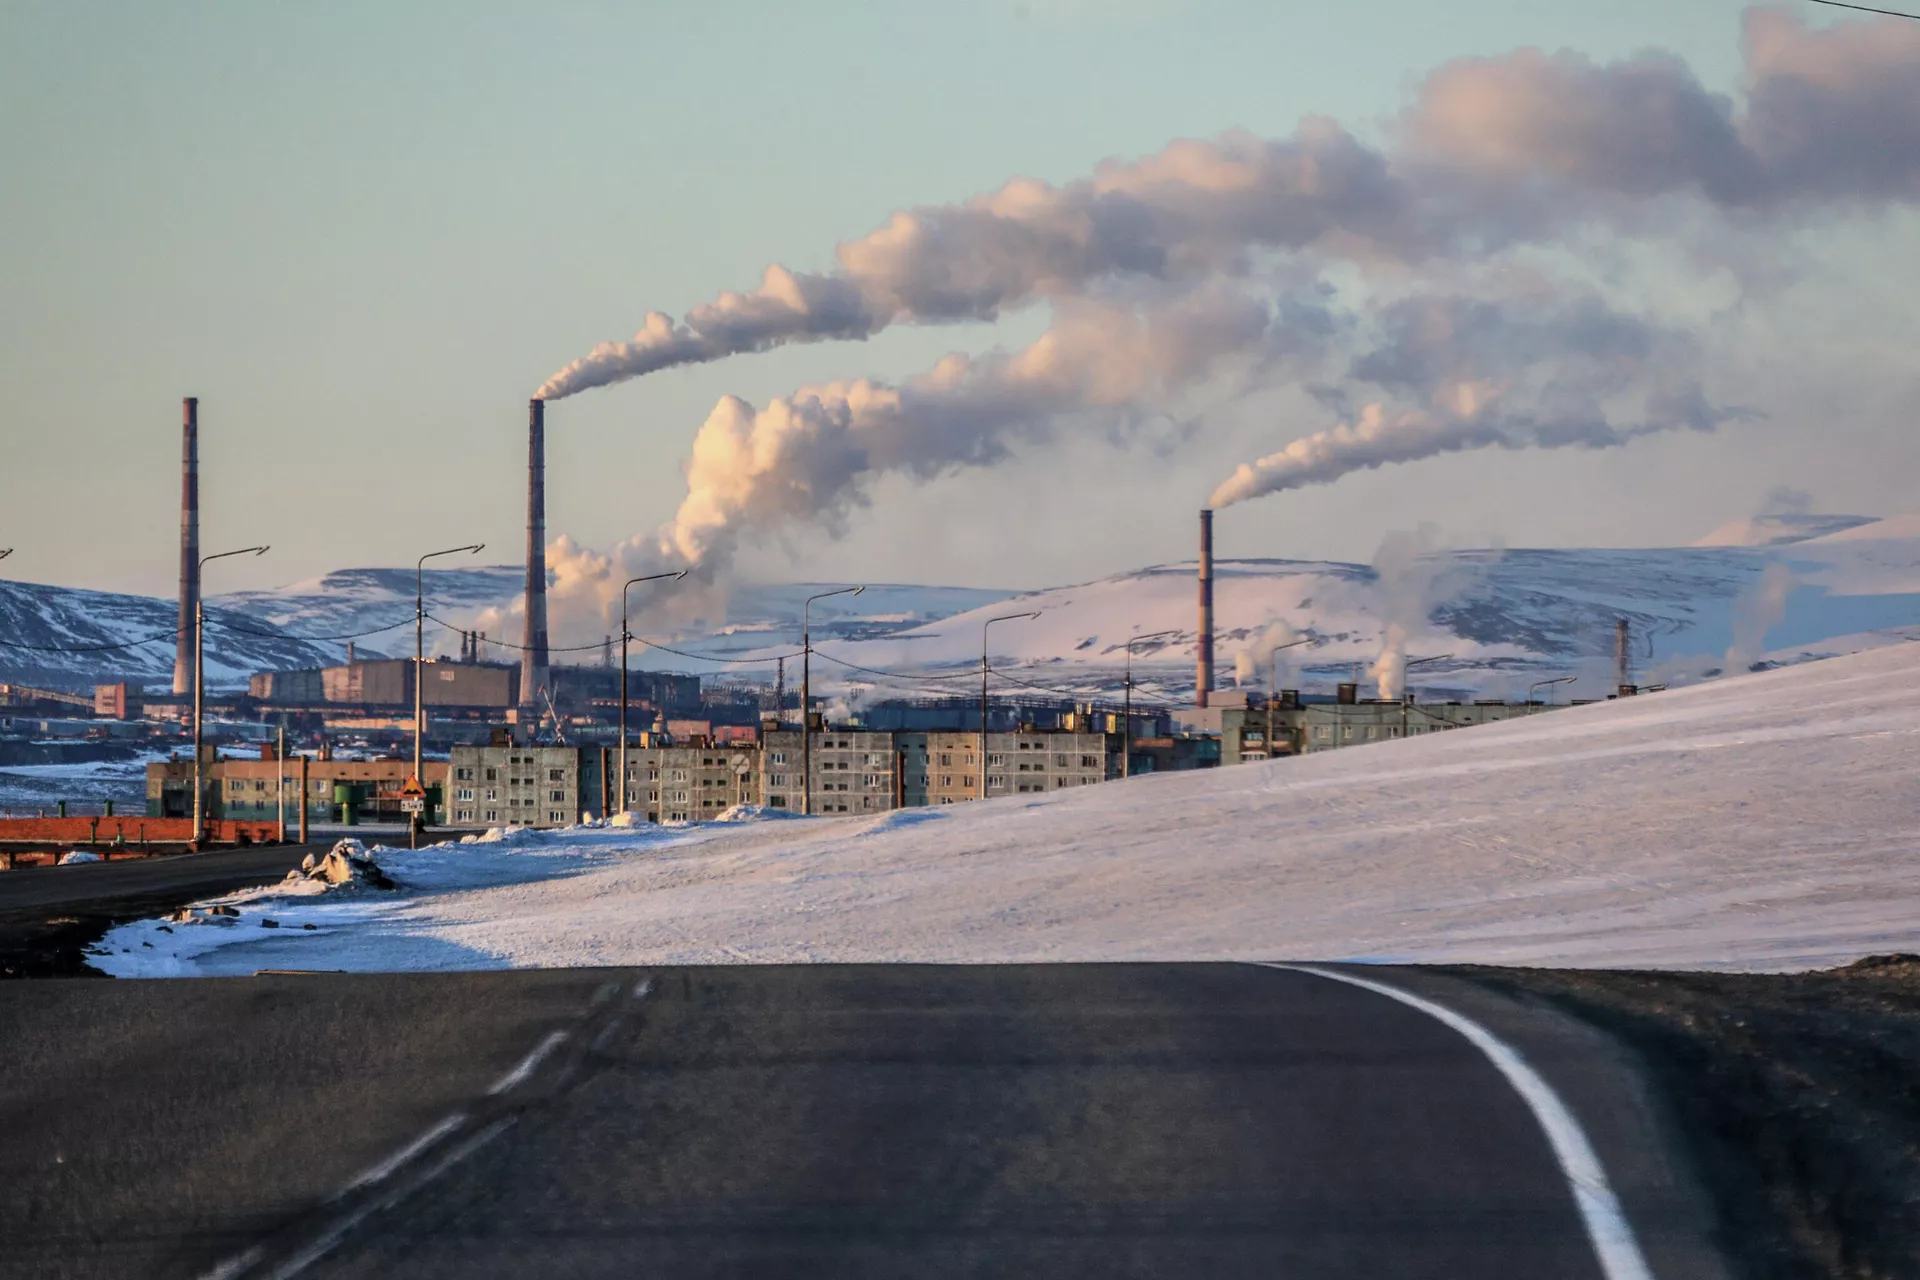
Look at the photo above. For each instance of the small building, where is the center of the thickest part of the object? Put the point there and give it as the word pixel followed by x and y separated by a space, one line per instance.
pixel 120 701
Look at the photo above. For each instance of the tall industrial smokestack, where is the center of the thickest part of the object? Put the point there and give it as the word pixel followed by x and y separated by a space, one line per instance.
pixel 189 542
pixel 1622 657
pixel 533 655
pixel 1204 683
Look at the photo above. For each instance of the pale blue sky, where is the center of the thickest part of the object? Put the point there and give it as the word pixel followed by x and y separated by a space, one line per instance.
pixel 362 233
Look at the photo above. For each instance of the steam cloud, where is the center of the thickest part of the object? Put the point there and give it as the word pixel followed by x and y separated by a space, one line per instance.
pixel 1443 334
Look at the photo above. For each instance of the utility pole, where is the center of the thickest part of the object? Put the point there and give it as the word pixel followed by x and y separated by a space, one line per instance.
pixel 415 820
pixel 1126 714
pixel 280 778
pixel 626 635
pixel 806 693
pixel 984 668
pixel 199 684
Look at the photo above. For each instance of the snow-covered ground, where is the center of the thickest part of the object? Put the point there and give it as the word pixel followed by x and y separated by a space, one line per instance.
pixel 1763 821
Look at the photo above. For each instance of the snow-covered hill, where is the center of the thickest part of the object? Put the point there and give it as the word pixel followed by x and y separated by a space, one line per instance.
pixel 55 621
pixel 1758 822
pixel 1497 621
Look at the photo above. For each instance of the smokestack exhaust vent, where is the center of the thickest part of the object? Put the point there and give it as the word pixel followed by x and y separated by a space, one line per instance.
pixel 533 655
pixel 1204 676
pixel 189 542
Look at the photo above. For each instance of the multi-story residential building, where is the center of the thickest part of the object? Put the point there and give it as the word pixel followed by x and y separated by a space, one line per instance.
pixel 510 786
pixel 1292 727
pixel 854 770
pixel 944 767
pixel 692 781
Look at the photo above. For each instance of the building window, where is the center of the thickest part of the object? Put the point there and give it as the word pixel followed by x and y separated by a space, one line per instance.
pixel 463 774
pixel 870 780
pixel 493 775
pixel 465 793
pixel 556 816
pixel 556 775
pixel 556 795
pixel 778 757
pixel 493 815
pixel 492 793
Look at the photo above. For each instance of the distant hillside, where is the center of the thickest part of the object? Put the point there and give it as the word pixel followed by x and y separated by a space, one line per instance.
pixel 1497 621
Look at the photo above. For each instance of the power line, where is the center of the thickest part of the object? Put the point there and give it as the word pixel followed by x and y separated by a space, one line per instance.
pixel 1861 8
pixel 283 635
pixel 90 648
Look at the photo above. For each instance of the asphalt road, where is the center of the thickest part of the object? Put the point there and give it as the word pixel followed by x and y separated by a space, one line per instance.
pixel 96 885
pixel 1070 1120
pixel 49 916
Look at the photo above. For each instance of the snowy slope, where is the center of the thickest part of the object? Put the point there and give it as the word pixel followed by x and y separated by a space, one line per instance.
pixel 1505 618
pixel 1502 619
pixel 1779 528
pixel 68 618
pixel 1762 821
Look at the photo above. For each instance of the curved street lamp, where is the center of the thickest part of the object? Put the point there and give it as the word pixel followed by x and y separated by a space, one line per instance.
pixel 1538 684
pixel 199 681
pixel 1126 713
pixel 626 634
pixel 1005 617
pixel 806 692
pixel 1273 694
pixel 416 820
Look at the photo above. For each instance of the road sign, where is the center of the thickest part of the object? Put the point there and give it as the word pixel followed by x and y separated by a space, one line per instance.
pixel 413 804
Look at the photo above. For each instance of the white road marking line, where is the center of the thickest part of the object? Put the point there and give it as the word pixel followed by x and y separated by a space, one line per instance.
pixel 233 1266
pixel 386 1168
pixel 553 1041
pixel 330 1239
pixel 602 994
pixel 641 988
pixel 1612 1235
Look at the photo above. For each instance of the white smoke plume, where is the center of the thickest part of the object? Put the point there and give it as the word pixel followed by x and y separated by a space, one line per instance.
pixel 1153 269
pixel 1409 580
pixel 1457 373
pixel 1263 651
pixel 1757 611
pixel 1492 151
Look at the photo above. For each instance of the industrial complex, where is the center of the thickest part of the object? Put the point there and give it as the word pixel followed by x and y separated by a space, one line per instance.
pixel 535 744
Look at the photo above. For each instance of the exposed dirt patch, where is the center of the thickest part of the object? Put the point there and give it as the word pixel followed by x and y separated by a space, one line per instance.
pixel 1798 1093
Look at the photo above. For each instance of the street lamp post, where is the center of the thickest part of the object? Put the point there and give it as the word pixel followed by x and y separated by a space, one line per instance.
pixel 199 681
pixel 626 634
pixel 1537 684
pixel 5 552
pixel 1417 662
pixel 1273 693
pixel 416 820
pixel 1126 702
pixel 806 693
pixel 1005 617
